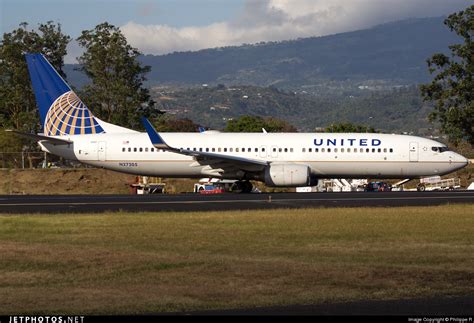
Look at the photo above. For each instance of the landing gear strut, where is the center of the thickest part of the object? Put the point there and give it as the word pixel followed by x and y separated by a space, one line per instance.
pixel 242 187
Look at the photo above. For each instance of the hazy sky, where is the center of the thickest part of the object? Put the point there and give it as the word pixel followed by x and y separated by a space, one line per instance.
pixel 164 26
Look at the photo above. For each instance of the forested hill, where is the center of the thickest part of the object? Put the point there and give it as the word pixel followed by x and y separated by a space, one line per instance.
pixel 395 53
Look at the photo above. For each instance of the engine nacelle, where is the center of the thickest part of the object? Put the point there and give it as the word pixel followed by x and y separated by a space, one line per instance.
pixel 287 175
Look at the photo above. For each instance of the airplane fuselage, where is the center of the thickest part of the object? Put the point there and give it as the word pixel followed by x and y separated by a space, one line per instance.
pixel 328 155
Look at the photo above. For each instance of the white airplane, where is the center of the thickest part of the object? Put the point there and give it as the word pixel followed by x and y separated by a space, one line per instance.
pixel 277 159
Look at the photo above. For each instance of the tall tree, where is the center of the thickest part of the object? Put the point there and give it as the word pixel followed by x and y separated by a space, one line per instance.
pixel 17 101
pixel 452 88
pixel 116 93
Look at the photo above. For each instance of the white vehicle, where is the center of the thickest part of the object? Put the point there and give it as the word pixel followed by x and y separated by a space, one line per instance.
pixel 447 184
pixel 277 159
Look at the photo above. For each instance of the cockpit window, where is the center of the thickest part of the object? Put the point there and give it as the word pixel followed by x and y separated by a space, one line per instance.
pixel 440 149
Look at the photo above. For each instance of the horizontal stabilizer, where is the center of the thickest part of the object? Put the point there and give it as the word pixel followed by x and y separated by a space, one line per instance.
pixel 53 140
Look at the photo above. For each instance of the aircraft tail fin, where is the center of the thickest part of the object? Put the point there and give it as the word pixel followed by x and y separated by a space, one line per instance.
pixel 61 110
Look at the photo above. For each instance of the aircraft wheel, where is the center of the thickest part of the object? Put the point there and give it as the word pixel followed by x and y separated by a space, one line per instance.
pixel 247 187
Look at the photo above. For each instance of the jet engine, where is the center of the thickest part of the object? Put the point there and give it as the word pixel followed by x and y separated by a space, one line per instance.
pixel 288 175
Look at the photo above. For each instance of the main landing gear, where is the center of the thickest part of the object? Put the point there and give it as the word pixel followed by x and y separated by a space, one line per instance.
pixel 242 187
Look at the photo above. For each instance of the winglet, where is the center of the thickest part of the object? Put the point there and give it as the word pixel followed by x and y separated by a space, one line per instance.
pixel 155 138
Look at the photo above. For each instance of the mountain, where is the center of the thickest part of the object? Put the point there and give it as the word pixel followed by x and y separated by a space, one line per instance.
pixel 389 54
pixel 394 52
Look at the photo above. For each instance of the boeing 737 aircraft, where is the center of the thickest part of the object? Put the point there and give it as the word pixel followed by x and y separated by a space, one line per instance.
pixel 278 159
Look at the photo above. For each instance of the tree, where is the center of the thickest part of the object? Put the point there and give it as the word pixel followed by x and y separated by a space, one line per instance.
pixel 170 124
pixel 349 127
pixel 116 93
pixel 278 125
pixel 245 124
pixel 17 101
pixel 452 88
pixel 255 124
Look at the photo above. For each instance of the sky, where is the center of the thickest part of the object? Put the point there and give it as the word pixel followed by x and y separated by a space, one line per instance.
pixel 165 26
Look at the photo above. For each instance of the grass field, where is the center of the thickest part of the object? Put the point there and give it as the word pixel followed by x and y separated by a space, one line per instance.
pixel 121 263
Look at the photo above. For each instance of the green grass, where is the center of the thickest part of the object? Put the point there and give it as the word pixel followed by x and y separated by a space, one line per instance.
pixel 154 262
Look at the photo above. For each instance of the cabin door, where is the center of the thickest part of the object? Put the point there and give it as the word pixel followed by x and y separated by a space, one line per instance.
pixel 101 150
pixel 413 151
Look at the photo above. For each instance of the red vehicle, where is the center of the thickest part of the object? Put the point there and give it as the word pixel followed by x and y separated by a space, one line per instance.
pixel 211 189
pixel 377 187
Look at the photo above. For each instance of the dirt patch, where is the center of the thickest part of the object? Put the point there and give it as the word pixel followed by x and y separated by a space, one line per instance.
pixel 63 181
pixel 78 181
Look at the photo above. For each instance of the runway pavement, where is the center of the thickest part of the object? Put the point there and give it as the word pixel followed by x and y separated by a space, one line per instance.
pixel 229 201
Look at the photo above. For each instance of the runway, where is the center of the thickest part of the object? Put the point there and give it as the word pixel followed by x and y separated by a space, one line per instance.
pixel 195 202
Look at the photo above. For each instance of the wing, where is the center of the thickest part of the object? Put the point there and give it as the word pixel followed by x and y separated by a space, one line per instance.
pixel 53 140
pixel 216 162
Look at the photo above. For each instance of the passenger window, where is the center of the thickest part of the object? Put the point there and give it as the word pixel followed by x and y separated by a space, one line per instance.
pixel 367 150
pixel 236 150
pixel 213 149
pixel 207 149
pixel 329 150
pixel 291 150
pixel 373 150
pixel 279 149
pixel 391 150
pixel 146 149
pixel 225 150
pixel 348 150
pixel 135 149
pixel 256 150
pixel 263 149
pixel 129 149
pixel 274 149
pixel 286 150
pixel 123 149
pixel 379 150
pixel 385 150
pixel 303 150
pixel 335 150
pixel 310 150
pixel 323 150
pixel 342 150
pixel 316 150
pixel 231 149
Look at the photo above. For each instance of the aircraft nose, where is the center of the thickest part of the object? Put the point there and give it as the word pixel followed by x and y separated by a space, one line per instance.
pixel 461 160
